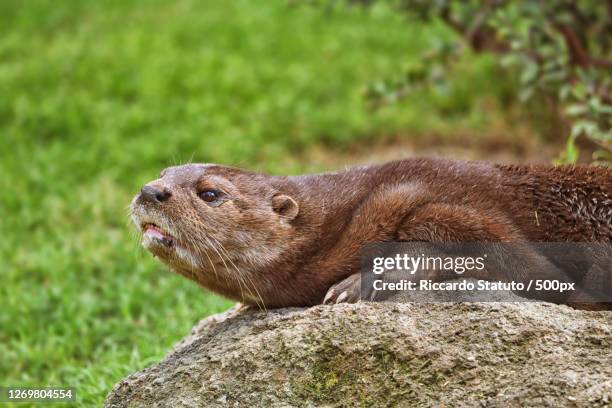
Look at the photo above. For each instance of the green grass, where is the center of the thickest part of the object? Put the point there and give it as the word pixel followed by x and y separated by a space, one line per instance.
pixel 97 96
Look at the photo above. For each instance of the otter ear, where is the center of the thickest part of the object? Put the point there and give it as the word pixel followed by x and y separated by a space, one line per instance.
pixel 285 206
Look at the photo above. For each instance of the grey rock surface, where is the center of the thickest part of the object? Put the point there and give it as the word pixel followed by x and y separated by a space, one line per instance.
pixel 385 354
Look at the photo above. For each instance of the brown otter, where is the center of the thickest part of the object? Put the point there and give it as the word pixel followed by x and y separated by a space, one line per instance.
pixel 277 241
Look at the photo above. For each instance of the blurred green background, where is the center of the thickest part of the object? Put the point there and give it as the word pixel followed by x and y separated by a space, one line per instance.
pixel 96 97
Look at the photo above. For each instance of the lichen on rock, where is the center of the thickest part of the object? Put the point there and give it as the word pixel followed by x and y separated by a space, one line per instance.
pixel 385 354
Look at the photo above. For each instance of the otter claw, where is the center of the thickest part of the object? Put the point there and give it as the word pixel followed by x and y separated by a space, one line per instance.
pixel 328 296
pixel 345 291
pixel 343 296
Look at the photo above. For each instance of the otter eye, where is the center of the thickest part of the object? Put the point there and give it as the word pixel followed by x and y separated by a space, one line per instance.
pixel 210 195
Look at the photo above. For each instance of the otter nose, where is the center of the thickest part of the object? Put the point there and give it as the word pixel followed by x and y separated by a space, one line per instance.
pixel 155 194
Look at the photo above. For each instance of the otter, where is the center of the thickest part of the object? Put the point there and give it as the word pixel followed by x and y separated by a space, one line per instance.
pixel 278 241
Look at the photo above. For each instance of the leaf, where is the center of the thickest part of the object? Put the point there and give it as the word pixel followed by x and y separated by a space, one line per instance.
pixel 530 73
pixel 564 91
pixel 605 109
pixel 526 93
pixel 583 127
pixel 509 60
pixel 571 151
pixel 576 109
pixel 579 91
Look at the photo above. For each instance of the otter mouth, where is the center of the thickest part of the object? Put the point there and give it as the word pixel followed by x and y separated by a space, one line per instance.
pixel 156 234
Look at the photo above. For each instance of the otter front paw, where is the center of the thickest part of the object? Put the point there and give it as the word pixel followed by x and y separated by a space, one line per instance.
pixel 345 291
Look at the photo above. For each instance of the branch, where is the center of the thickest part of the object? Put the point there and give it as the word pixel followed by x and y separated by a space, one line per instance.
pixel 601 63
pixel 578 53
pixel 476 35
pixel 446 16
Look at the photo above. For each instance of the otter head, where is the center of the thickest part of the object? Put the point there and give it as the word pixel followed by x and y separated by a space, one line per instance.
pixel 217 225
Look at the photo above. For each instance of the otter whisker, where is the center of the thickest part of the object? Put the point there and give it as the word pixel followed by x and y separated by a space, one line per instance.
pixel 224 251
pixel 244 278
pixel 239 278
pixel 210 260
pixel 191 158
pixel 263 306
pixel 135 236
pixel 192 263
pixel 197 245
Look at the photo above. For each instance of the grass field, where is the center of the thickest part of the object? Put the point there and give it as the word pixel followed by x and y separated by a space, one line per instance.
pixel 97 96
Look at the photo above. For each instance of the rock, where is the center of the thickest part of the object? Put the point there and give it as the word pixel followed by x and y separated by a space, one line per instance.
pixel 385 354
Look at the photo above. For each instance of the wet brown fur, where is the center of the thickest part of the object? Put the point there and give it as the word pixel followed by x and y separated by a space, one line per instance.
pixel 303 255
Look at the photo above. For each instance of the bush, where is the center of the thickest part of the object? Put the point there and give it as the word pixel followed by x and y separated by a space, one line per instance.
pixel 559 49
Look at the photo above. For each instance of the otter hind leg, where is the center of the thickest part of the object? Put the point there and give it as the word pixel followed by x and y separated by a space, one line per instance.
pixel 441 223
pixel 429 223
